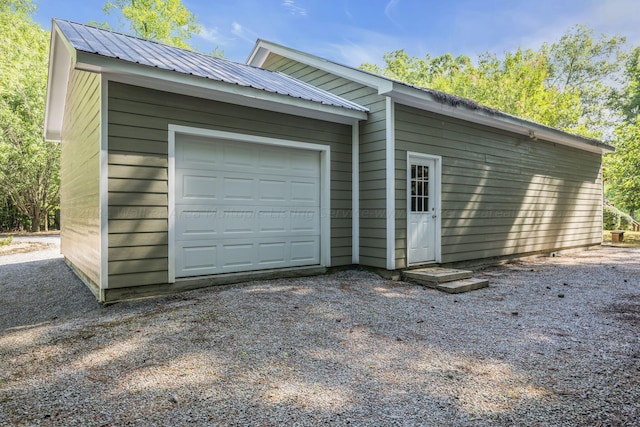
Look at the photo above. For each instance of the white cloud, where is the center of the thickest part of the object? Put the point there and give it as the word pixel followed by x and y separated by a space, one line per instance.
pixel 211 35
pixel 243 33
pixel 359 45
pixel 390 7
pixel 293 9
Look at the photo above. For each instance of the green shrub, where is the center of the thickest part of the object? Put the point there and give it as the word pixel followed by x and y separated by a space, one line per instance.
pixel 611 218
pixel 6 241
pixel 626 222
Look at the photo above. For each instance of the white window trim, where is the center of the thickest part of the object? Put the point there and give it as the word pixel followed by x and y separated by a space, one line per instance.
pixel 325 183
pixel 438 201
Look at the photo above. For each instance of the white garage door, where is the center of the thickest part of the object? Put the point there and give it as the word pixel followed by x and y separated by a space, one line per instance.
pixel 243 206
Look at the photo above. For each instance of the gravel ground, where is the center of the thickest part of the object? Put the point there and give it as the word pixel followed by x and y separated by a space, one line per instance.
pixel 551 342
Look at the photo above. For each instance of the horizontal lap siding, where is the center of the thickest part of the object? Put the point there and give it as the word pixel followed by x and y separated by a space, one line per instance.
pixel 80 175
pixel 138 172
pixel 502 194
pixel 372 152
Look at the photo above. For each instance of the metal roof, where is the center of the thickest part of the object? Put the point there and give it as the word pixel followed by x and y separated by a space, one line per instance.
pixel 123 47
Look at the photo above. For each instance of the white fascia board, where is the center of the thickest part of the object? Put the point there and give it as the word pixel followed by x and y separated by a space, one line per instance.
pixel 201 87
pixel 424 101
pixel 262 49
pixel 61 60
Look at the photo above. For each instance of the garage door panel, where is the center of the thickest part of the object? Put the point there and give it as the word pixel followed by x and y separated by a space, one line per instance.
pixel 305 251
pixel 196 222
pixel 238 188
pixel 305 163
pixel 305 192
pixel 243 207
pixel 239 156
pixel 197 153
pixel 236 222
pixel 273 190
pixel 305 221
pixel 237 255
pixel 197 260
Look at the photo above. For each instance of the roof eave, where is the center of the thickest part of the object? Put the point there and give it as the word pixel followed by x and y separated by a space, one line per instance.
pixel 157 78
pixel 262 49
pixel 425 101
pixel 61 60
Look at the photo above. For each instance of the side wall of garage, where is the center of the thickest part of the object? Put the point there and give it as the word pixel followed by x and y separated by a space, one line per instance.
pixel 502 194
pixel 80 176
pixel 138 172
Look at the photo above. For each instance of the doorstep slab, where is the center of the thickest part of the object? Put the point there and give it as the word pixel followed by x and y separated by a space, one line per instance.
pixel 434 276
pixel 464 285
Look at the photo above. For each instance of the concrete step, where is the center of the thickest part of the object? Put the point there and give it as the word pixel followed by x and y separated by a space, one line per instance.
pixel 464 285
pixel 435 276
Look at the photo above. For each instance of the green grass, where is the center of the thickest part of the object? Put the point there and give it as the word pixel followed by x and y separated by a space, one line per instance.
pixel 631 238
pixel 6 241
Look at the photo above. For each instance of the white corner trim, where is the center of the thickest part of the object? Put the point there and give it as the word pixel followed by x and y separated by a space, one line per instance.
pixel 438 200
pixel 325 179
pixel 171 208
pixel 355 193
pixel 390 183
pixel 325 207
pixel 104 183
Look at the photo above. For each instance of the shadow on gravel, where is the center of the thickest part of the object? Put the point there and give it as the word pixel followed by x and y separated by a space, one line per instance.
pixel 35 292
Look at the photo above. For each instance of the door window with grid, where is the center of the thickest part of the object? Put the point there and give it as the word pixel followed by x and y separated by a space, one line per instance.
pixel 419 188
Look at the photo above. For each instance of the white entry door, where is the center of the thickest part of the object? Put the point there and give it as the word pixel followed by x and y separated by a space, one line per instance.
pixel 422 208
pixel 241 206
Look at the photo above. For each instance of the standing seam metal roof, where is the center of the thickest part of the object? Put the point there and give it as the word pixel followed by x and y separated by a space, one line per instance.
pixel 144 52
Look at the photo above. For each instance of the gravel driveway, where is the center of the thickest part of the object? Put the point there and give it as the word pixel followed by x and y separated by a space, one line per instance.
pixel 551 342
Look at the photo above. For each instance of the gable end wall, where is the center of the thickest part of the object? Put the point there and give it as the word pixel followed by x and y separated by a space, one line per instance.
pixel 138 172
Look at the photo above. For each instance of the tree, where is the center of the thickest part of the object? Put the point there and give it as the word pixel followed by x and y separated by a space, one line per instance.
pixel 628 99
pixel 514 84
pixel 591 66
pixel 564 84
pixel 29 166
pixel 164 21
pixel 622 168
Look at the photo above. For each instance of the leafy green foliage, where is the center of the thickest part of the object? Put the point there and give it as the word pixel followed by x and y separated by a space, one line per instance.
pixel 559 85
pixel 615 219
pixel 611 218
pixel 628 99
pixel 29 166
pixel 622 168
pixel 164 21
pixel 590 65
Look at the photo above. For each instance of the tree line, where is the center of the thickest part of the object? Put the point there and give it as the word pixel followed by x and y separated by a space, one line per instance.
pixel 583 83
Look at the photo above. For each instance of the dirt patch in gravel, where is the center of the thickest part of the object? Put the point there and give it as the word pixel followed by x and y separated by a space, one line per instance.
pixel 552 341
pixel 23 248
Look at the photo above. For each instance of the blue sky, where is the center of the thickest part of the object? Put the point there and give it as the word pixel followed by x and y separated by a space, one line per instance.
pixel 356 31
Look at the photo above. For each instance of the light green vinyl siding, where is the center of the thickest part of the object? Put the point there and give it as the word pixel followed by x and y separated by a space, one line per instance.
pixel 372 152
pixel 502 194
pixel 138 172
pixel 80 175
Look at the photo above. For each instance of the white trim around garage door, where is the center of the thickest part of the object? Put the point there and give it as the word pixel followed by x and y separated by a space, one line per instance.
pixel 325 183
